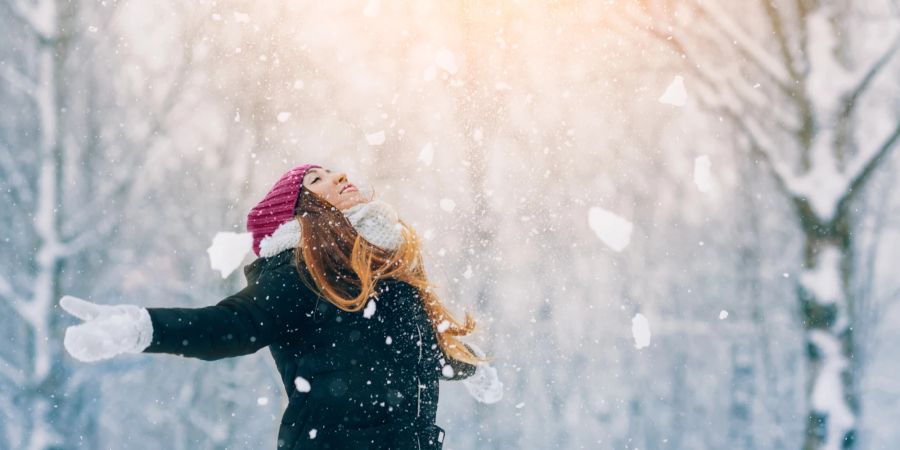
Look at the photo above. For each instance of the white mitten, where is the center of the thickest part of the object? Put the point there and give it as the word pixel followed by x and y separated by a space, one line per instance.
pixel 108 330
pixel 484 384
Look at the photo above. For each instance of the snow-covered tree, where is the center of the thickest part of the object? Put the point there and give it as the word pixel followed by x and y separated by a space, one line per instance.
pixel 809 85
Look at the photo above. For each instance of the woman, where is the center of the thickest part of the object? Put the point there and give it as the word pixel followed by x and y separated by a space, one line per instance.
pixel 358 336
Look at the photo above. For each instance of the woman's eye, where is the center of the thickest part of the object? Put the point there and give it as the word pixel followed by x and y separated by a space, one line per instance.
pixel 314 180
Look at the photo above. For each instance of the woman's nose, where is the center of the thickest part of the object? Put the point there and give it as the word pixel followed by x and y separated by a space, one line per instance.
pixel 341 176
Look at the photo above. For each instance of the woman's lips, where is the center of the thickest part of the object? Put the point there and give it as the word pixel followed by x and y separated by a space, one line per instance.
pixel 348 188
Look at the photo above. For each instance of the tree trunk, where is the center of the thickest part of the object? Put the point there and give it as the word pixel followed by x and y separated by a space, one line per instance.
pixel 826 312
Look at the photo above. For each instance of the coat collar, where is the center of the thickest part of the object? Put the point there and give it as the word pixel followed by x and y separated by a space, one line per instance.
pixel 286 236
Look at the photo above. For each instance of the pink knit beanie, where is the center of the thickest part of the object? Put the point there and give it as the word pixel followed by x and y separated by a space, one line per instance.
pixel 277 207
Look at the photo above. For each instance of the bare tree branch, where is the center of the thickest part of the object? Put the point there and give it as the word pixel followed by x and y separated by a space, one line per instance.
pixel 7 291
pixel 19 81
pixel 739 88
pixel 850 100
pixel 781 37
pixel 858 181
pixel 13 175
pixel 780 174
pixel 14 375
pixel 89 236
pixel 764 61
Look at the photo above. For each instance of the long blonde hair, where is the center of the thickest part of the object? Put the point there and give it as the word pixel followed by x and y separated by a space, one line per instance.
pixel 345 268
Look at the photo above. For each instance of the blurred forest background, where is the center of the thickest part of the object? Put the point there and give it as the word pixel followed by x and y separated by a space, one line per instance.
pixel 761 205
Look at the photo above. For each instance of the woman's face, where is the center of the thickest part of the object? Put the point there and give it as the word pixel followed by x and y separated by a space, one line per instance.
pixel 333 187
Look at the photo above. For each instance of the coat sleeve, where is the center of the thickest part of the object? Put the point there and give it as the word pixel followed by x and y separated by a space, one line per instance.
pixel 461 370
pixel 239 324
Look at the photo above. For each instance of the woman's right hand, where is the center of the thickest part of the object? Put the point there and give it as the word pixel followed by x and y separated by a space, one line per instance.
pixel 107 331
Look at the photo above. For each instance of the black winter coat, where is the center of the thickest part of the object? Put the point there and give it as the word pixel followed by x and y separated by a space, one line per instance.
pixel 373 382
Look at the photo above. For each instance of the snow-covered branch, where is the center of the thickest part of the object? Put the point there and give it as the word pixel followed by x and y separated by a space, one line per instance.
pixel 40 16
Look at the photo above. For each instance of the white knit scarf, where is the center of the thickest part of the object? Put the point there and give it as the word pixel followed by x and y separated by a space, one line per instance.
pixel 376 221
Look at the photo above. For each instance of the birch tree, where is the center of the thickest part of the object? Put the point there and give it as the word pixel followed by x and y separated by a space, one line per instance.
pixel 816 106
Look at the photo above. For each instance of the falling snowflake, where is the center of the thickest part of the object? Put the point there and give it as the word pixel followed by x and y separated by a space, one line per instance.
pixel 702 173
pixel 376 138
pixel 302 384
pixel 675 94
pixel 640 329
pixel 613 230
pixel 228 251
pixel 426 155
pixel 370 309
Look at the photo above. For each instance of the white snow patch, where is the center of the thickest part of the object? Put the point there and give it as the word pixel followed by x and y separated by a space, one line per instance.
pixel 445 60
pixel 370 309
pixel 298 84
pixel 520 405
pixel 302 384
pixel 283 116
pixel 447 204
pixel 376 138
pixel 824 282
pixel 262 401
pixel 389 340
pixel 675 94
pixel 426 155
pixel 703 173
pixel 240 17
pixel 228 250
pixel 723 314
pixel 312 433
pixel 468 273
pixel 640 329
pixel 443 326
pixel 612 229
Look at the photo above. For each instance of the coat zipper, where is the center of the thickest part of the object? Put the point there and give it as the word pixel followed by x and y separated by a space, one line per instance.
pixel 418 379
pixel 419 385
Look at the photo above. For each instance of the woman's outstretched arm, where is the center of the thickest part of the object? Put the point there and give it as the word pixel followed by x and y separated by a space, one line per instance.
pixel 274 304
pixel 239 324
pixel 235 326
